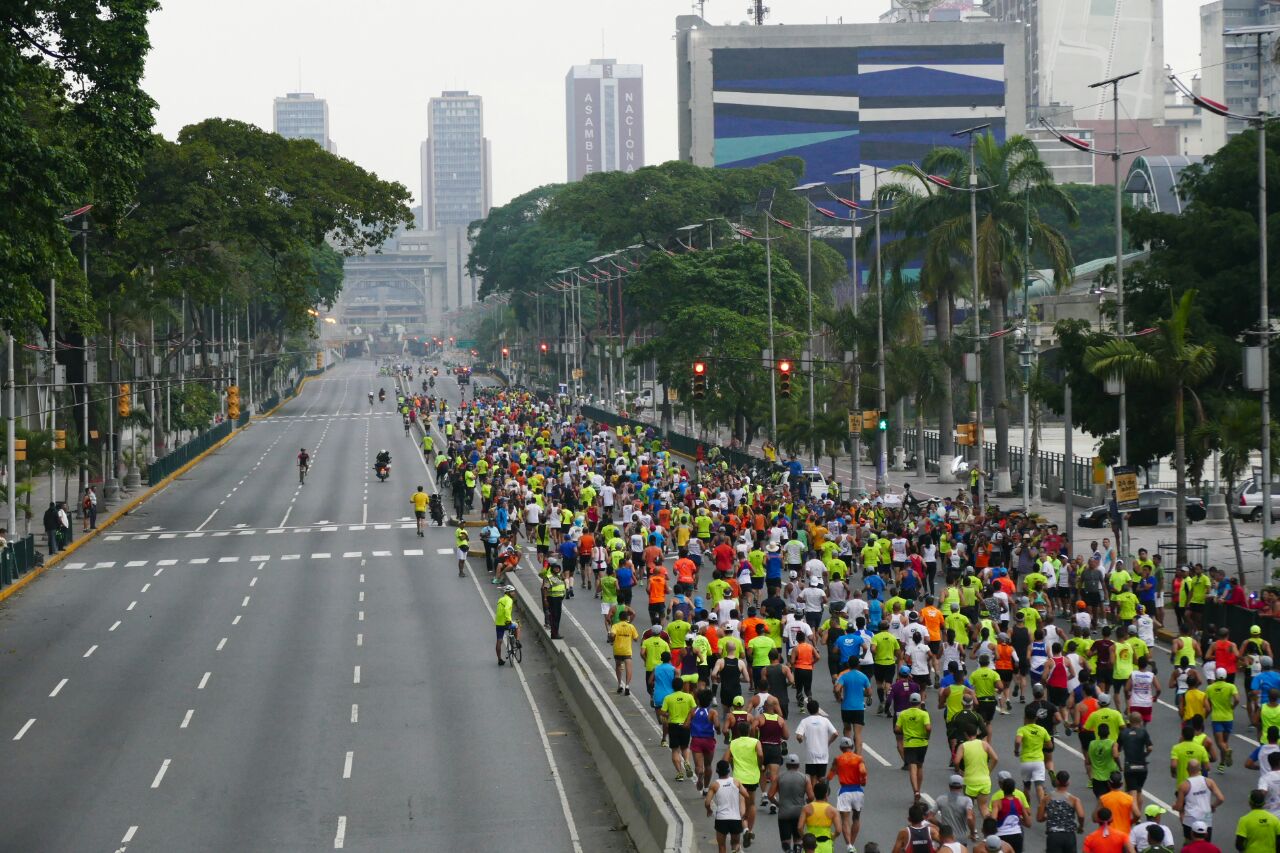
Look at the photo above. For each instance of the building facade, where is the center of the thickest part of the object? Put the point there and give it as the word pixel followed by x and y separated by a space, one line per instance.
pixel 604 114
pixel 843 96
pixel 1229 65
pixel 301 115
pixel 1070 44
pixel 456 182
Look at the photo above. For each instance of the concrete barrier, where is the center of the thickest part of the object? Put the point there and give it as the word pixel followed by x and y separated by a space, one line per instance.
pixel 654 818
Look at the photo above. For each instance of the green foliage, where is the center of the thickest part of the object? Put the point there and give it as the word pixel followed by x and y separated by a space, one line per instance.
pixel 74 126
pixel 194 406
pixel 1091 233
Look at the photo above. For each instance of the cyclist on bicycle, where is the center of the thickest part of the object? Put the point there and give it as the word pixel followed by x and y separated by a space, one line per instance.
pixel 420 499
pixel 503 620
pixel 304 462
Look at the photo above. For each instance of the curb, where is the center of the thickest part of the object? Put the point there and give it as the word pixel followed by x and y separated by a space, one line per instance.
pixel 151 492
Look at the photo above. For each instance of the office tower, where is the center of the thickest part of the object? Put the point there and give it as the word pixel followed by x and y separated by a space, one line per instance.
pixel 604 110
pixel 456 184
pixel 301 115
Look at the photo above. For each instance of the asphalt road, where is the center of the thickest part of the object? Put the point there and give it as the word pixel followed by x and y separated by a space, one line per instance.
pixel 249 664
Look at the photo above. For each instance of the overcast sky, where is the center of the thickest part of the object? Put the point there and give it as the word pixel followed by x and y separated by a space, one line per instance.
pixel 378 61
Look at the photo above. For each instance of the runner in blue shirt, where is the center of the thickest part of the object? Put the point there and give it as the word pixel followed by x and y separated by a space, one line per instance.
pixel 853 689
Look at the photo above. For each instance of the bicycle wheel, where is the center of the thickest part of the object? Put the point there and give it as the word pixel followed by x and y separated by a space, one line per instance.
pixel 516 650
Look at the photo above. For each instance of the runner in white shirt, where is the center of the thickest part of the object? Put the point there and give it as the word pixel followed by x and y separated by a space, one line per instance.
pixel 815 569
pixel 856 608
pixel 1146 627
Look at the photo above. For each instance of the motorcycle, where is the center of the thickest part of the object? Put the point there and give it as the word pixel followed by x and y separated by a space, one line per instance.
pixel 382 396
pixel 383 471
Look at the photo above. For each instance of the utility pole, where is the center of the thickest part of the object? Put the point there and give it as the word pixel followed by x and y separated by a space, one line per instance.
pixel 53 384
pixel 882 456
pixel 757 10
pixel 11 434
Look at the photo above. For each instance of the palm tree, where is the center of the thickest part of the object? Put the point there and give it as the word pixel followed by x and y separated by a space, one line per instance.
pixel 1169 358
pixel 1234 432
pixel 1017 186
pixel 915 371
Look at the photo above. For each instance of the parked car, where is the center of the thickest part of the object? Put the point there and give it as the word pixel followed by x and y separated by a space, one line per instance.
pixel 817 482
pixel 1146 514
pixel 1246 503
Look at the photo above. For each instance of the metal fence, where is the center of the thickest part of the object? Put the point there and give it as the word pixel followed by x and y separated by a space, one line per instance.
pixel 682 444
pixel 1238 621
pixel 184 453
pixel 1049 466
pixel 16 559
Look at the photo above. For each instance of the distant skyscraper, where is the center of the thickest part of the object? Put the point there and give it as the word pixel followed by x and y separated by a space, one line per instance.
pixel 301 115
pixel 604 109
pixel 456 185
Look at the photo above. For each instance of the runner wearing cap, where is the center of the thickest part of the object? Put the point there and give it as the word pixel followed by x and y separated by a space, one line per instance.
pixel 1197 836
pixel 1030 743
pixel 1223 696
pixel 913 728
pixel 790 792
pixel 1142 833
pixel 954 810
pixel 851 772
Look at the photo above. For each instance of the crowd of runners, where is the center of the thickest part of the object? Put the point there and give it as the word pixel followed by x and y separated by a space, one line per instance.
pixel 772 629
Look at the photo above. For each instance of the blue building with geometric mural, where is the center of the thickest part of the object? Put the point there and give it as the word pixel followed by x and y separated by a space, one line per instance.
pixel 845 95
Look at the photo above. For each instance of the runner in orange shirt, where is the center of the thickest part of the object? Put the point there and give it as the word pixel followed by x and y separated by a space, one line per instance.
pixel 851 771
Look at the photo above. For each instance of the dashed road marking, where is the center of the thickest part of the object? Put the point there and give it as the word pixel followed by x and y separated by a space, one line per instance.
pixel 164 768
pixel 186 720
pixel 22 731
pixel 204 680
pixel 58 689
pixel 92 649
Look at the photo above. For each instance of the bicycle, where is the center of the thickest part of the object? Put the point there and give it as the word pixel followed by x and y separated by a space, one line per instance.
pixel 511 646
pixel 302 474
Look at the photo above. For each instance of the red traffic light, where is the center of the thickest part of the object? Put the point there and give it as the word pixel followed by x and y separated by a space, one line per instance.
pixel 542 346
pixel 505 352
pixel 699 367
pixel 784 366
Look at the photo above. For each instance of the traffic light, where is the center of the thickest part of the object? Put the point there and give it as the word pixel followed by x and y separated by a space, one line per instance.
pixel 319 361
pixel 505 352
pixel 784 378
pixel 543 347
pixel 233 402
pixel 60 439
pixel 966 434
pixel 122 401
pixel 882 422
pixel 19 450
pixel 699 380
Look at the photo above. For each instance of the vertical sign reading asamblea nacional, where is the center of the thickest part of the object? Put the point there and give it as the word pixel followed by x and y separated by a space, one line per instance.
pixel 630 112
pixel 587 117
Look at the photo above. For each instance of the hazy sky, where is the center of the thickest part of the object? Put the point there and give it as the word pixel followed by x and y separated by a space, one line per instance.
pixel 378 61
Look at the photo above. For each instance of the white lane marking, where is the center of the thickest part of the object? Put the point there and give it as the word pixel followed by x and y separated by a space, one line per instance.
pixel 221 644
pixel 113 538
pixel 245 603
pixel 362 578
pixel 328 529
pixel 105 565
pixel 339 839
pixel 166 563
pixel 92 649
pixel 206 521
pixel 270 532
pixel 128 835
pixel 167 535
pixel 413 552
pixel 145 587
pixel 359 639
pixel 260 558
pixel 186 720
pixel 22 731
pixel 193 536
pixel 349 554
pixel 360 616
pixel 236 621
pixel 877 756
pixel 382 553
pixel 361 595
pixel 285 520
pixel 228 559
pixel 356 677
pixel 323 555
pixel 346 765
pixel 542 735
pixel 74 566
pixel 164 768
pixel 291 557
pixel 253 581
pixel 58 689
pixel 355 713
pixel 357 528
pixel 115 626
pixel 203 681
pixel 382 527
pixel 132 604
pixel 199 561
pixel 133 564
pixel 444 550
pixel 157 573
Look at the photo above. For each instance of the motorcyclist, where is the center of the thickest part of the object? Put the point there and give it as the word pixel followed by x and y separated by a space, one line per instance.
pixel 382 395
pixel 370 398
pixel 382 463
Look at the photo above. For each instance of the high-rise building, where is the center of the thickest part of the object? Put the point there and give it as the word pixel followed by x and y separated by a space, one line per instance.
pixel 840 96
pixel 1071 44
pixel 301 115
pixel 456 184
pixel 604 110
pixel 1229 64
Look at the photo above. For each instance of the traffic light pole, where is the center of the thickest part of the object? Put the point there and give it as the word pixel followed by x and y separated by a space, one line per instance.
pixel 882 461
pixel 773 355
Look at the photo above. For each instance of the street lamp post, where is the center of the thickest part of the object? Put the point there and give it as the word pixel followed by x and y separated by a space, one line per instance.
pixel 808 360
pixel 852 174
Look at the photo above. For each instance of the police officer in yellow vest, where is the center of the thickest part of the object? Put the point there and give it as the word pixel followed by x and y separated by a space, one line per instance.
pixel 553 591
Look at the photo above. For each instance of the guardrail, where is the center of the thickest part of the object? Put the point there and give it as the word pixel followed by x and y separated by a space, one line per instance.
pixel 1051 467
pixel 682 444
pixel 184 453
pixel 1238 621
pixel 17 558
